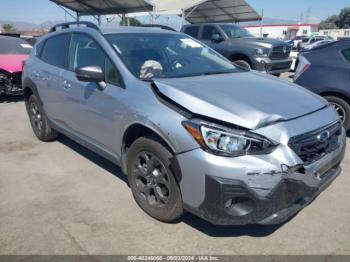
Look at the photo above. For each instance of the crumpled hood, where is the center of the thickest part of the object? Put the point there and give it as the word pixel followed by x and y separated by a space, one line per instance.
pixel 12 63
pixel 247 99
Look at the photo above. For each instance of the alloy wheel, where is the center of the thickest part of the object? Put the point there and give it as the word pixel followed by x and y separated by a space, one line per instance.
pixel 151 179
pixel 340 110
pixel 36 117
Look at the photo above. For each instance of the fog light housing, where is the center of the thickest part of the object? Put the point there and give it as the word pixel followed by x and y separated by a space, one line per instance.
pixel 239 206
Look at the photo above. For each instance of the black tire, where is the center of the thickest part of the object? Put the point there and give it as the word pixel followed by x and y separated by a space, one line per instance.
pixel 242 63
pixel 343 109
pixel 38 120
pixel 277 75
pixel 152 181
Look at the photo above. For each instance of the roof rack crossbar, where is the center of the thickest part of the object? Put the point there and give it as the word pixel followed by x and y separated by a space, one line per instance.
pixel 67 25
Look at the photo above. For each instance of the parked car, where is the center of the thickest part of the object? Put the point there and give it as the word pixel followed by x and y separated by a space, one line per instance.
pixel 313 39
pixel 13 52
pixel 191 131
pixel 239 46
pixel 316 44
pixel 326 71
pixel 297 40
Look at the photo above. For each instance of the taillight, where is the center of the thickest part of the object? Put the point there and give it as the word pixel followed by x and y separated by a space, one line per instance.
pixel 303 66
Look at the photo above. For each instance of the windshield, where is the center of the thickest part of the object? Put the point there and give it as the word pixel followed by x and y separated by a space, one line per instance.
pixel 305 40
pixel 9 46
pixel 233 31
pixel 167 55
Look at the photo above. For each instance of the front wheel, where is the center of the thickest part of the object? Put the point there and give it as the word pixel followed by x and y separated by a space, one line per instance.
pixel 343 109
pixel 152 181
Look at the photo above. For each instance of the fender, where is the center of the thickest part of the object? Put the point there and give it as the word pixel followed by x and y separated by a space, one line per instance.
pixel 27 83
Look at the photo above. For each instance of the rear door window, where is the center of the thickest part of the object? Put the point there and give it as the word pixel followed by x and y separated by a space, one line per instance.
pixel 55 51
pixel 208 32
pixel 192 31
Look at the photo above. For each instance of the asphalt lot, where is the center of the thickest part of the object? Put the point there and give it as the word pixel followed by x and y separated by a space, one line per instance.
pixel 59 198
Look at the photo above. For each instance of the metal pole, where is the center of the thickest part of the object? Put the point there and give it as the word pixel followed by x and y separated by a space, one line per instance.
pixel 123 19
pixel 99 20
pixel 261 23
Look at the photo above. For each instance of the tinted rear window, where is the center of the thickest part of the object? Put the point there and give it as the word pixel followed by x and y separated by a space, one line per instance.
pixel 56 50
pixel 192 31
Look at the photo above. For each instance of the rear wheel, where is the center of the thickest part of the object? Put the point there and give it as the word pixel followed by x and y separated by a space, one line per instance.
pixel 38 120
pixel 152 181
pixel 342 108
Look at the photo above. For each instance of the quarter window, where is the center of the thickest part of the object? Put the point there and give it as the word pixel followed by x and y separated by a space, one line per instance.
pixel 111 74
pixel 55 50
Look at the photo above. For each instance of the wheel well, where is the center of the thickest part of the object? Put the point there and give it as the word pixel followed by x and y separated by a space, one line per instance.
pixel 339 95
pixel 136 131
pixel 236 57
pixel 27 92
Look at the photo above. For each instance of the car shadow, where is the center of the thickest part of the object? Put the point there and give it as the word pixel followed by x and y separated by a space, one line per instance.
pixel 93 157
pixel 228 231
pixel 5 99
pixel 189 219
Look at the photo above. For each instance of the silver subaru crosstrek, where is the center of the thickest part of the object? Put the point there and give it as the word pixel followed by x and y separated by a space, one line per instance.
pixel 191 130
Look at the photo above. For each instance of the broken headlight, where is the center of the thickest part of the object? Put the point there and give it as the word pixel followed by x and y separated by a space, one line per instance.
pixel 228 142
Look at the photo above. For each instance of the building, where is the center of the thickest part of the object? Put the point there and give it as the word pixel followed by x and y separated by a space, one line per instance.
pixel 336 33
pixel 283 31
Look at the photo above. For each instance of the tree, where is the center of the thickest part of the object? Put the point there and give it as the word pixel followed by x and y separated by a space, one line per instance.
pixel 330 23
pixel 8 28
pixel 344 18
pixel 130 21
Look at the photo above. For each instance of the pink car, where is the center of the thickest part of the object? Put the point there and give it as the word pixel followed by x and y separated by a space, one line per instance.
pixel 13 53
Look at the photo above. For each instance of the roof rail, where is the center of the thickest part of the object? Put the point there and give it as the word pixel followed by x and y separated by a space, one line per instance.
pixel 69 24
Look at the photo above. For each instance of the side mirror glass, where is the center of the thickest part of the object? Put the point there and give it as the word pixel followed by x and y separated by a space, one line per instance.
pixel 92 74
pixel 216 38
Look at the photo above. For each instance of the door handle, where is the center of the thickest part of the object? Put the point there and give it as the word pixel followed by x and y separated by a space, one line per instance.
pixel 66 84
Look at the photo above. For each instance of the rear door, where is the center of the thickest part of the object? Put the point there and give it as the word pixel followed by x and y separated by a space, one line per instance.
pixel 93 114
pixel 48 75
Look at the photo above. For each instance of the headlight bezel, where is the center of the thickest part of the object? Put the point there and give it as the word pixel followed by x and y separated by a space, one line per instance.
pixel 196 127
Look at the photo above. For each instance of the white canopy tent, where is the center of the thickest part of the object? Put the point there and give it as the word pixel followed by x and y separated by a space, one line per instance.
pixel 104 7
pixel 200 11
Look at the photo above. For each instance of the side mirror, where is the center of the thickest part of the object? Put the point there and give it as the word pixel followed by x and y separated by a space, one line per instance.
pixel 217 38
pixel 92 74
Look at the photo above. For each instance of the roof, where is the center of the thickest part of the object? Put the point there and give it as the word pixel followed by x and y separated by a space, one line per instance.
pixel 221 11
pixel 103 7
pixel 135 29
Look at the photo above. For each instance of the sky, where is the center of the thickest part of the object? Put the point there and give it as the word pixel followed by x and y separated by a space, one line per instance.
pixel 39 11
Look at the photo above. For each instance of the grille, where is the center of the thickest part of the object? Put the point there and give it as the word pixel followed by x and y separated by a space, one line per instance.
pixel 280 52
pixel 311 147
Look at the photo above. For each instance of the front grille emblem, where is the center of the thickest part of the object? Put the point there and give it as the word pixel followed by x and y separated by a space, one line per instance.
pixel 324 136
pixel 284 49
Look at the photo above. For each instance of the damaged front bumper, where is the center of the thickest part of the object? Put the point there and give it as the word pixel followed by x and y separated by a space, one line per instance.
pixel 236 195
pixel 10 83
